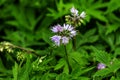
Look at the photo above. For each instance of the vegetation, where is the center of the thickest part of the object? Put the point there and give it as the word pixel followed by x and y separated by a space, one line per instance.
pixel 28 53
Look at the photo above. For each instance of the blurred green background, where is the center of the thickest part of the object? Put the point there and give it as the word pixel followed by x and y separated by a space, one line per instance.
pixel 27 23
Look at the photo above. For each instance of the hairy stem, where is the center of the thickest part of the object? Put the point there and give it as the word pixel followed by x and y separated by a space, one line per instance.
pixel 7 44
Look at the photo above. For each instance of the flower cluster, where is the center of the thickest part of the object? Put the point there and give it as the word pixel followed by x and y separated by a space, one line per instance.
pixel 63 34
pixel 75 18
pixel 6 46
pixel 101 66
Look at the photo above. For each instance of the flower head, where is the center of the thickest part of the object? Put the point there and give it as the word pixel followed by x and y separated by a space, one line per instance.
pixel 101 66
pixel 74 11
pixel 57 28
pixel 56 39
pixel 83 14
pixel 64 34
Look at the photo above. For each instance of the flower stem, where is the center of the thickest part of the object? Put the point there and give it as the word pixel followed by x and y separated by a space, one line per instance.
pixel 74 43
pixel 66 57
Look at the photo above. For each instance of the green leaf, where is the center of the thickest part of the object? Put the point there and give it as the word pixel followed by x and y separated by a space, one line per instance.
pixel 83 78
pixel 114 66
pixel 97 14
pixel 102 72
pixel 2 68
pixel 117 51
pixel 60 64
pixel 66 69
pixel 110 40
pixel 78 71
pixel 15 71
pixel 45 76
pixel 117 39
pixel 78 59
pixel 102 56
pixel 62 76
pixel 46 36
pixel 62 9
pixel 25 70
pixel 112 28
pixel 113 78
pixel 90 32
pixel 112 6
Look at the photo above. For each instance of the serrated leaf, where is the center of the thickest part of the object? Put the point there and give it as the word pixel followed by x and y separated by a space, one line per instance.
pixel 102 72
pixel 78 58
pixel 102 56
pixel 114 66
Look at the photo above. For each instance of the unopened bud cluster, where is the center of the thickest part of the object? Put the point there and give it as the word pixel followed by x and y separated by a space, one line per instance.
pixel 75 18
pixel 6 46
pixel 20 56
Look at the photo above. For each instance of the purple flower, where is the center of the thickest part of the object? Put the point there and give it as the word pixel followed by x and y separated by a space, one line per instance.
pixel 65 40
pixel 63 34
pixel 56 39
pixel 101 66
pixel 57 28
pixel 83 14
pixel 74 11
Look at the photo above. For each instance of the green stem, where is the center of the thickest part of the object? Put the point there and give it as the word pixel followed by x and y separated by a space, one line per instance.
pixel 66 57
pixel 74 43
pixel 21 63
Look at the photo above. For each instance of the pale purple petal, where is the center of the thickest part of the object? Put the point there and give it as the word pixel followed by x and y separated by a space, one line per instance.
pixel 101 66
pixel 83 14
pixel 65 40
pixel 56 39
pixel 57 28
pixel 67 27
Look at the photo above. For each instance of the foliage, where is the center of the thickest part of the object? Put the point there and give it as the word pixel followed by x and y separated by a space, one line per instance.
pixel 26 51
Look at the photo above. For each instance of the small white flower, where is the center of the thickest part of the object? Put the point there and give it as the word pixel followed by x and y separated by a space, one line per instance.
pixel 73 33
pixel 1 49
pixel 83 14
pixel 74 11
pixel 67 27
